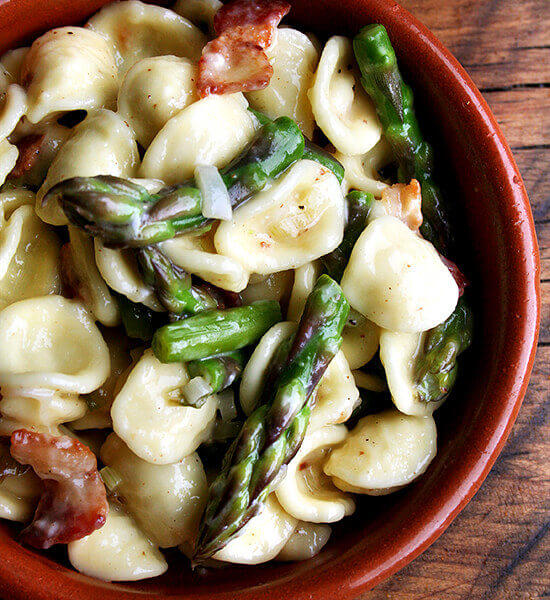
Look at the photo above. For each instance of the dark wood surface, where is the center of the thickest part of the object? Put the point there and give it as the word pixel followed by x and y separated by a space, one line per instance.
pixel 498 548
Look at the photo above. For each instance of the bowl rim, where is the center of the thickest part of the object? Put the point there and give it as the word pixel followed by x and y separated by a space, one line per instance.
pixel 344 584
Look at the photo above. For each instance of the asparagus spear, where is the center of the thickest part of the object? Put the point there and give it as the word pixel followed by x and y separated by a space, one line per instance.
pixel 172 284
pixel 213 332
pixel 137 319
pixel 273 433
pixel 123 214
pixel 436 367
pixel 316 153
pixel 393 100
pixel 359 205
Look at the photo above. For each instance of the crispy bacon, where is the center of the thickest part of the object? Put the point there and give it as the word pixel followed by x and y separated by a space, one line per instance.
pixel 405 203
pixel 29 150
pixel 235 61
pixel 461 280
pixel 74 502
pixel 252 21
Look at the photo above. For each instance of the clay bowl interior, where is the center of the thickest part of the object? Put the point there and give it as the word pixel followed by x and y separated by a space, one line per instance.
pixel 499 250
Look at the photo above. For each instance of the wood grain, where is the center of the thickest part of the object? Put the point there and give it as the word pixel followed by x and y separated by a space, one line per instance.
pixel 499 546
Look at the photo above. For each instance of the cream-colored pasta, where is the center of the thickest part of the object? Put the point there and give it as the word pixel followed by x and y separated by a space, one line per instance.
pixel 197 255
pixel 10 200
pixel 304 280
pixel 262 538
pixel 294 59
pixel 383 453
pixel 101 145
pixel 361 170
pixel 13 105
pixel 8 158
pixel 136 30
pixel 99 402
pixel 254 373
pixel 306 541
pixel 153 91
pixel 341 108
pixel 51 342
pixel 165 500
pixel 369 381
pixel 29 257
pixel 19 496
pixel 398 280
pixel 276 286
pixel 299 219
pixel 336 395
pixel 120 271
pixel 360 340
pixel 11 63
pixel 399 353
pixel 92 289
pixel 69 68
pixel 211 131
pixel 153 424
pixel 118 551
pixel 305 491
pixel 199 12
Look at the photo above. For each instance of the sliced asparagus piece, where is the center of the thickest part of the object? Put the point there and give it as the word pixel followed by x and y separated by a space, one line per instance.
pixel 123 214
pixel 359 205
pixel 393 100
pixel 213 332
pixel 137 319
pixel 273 433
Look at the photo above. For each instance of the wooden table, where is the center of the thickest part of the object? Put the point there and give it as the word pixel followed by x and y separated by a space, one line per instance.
pixel 499 548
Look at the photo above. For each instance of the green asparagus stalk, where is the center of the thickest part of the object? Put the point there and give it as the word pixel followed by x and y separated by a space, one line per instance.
pixel 273 433
pixel 436 367
pixel 124 214
pixel 172 284
pixel 316 153
pixel 213 332
pixel 359 205
pixel 137 319
pixel 393 100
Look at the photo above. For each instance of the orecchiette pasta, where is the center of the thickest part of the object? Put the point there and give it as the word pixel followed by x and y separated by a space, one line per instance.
pixel 336 395
pixel 153 424
pixel 360 340
pixel 70 68
pixel 361 170
pixel 8 158
pixel 305 491
pixel 383 453
pixel 19 496
pixel 137 30
pixel 165 500
pixel 397 279
pixel 199 12
pixel 118 551
pixel 299 219
pixel 91 287
pixel 101 145
pixel 255 371
pixel 342 109
pixel 153 91
pixel 29 257
pixel 51 342
pixel 304 280
pixel 211 131
pixel 197 255
pixel 276 286
pixel 306 541
pixel 13 104
pixel 11 63
pixel 120 271
pixel 262 538
pixel 398 353
pixel 294 59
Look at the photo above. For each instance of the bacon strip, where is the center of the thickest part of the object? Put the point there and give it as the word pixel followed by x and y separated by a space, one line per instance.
pixel 405 203
pixel 235 61
pixel 29 150
pixel 74 502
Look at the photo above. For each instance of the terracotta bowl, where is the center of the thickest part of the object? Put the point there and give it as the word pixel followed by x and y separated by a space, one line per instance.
pixel 500 253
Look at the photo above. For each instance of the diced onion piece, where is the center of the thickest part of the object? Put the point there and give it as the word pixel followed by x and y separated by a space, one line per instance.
pixel 195 390
pixel 216 203
pixel 226 405
pixel 110 478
